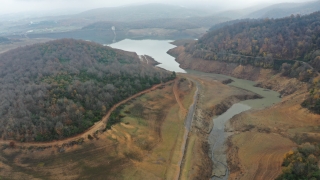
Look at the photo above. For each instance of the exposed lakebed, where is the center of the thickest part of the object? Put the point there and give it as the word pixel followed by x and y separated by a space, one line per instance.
pixel 217 138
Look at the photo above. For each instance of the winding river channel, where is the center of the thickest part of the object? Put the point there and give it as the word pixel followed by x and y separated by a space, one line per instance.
pixel 217 138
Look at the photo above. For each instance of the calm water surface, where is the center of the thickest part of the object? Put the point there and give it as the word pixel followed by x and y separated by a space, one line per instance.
pixel 154 48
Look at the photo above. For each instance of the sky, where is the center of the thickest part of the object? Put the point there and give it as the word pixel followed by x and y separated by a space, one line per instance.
pixel 17 6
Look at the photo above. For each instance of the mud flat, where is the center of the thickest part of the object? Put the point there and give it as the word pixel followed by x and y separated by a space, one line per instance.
pixel 217 140
pixel 218 136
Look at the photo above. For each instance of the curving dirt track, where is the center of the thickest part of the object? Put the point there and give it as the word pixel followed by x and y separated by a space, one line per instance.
pixel 96 127
pixel 183 110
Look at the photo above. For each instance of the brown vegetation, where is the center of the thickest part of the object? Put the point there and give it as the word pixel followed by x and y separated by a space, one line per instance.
pixel 287 46
pixel 290 38
pixel 145 145
pixel 262 137
pixel 197 164
pixel 61 88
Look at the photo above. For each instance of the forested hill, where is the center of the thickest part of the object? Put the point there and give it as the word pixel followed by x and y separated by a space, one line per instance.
pixel 60 88
pixel 268 43
pixel 291 38
pixel 290 46
pixel 286 9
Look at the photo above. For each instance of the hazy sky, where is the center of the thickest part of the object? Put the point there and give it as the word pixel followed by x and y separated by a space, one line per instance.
pixel 14 6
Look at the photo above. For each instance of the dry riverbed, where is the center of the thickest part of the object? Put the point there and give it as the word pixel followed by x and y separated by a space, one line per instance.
pixel 214 98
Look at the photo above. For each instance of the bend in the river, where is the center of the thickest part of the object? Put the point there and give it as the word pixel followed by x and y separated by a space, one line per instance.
pixel 218 136
pixel 158 50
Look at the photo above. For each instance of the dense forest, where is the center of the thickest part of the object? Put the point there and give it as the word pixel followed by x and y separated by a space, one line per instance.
pixel 302 163
pixel 61 88
pixel 290 46
pixel 312 102
pixel 290 38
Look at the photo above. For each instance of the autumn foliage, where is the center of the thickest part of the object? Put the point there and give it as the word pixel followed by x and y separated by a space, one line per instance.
pixel 290 38
pixel 61 88
pixel 289 46
pixel 301 163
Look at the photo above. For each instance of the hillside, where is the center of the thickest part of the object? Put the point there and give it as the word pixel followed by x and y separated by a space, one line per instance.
pixel 229 23
pixel 285 9
pixel 126 26
pixel 61 88
pixel 66 25
pixel 141 12
pixel 264 43
pixel 164 28
pixel 291 38
pixel 242 13
pixel 288 46
pixel 169 23
pixel 281 55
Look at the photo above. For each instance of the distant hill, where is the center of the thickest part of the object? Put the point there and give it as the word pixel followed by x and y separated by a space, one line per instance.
pixel 286 9
pixel 229 23
pixel 60 88
pixel 170 23
pixel 157 21
pixel 141 12
pixel 169 28
pixel 241 13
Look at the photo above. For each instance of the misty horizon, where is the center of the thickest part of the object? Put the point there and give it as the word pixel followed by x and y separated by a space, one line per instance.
pixel 60 7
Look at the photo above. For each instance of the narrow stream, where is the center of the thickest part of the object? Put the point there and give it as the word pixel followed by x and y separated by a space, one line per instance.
pixel 217 140
pixel 218 136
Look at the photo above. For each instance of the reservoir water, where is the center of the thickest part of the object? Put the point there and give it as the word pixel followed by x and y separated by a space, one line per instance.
pixel 217 138
pixel 157 49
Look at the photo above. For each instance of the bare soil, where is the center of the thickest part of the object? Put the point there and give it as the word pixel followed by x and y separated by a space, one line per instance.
pixel 98 126
pixel 262 137
pixel 144 146
pixel 197 164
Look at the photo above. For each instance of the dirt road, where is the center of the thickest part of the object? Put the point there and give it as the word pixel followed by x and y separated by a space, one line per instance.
pixel 188 123
pixel 96 127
